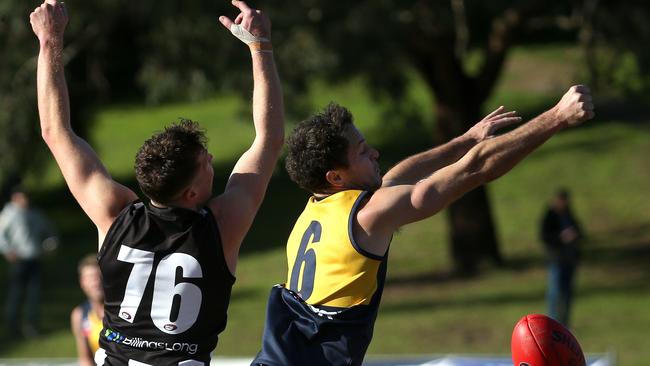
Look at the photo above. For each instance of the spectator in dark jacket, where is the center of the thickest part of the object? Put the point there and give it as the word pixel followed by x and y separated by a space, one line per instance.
pixel 561 235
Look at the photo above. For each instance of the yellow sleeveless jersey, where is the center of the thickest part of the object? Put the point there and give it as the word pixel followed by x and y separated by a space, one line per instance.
pixel 91 326
pixel 326 266
pixel 96 326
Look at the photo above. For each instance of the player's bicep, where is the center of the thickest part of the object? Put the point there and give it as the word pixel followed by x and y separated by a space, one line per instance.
pixel 237 206
pixel 247 185
pixel 235 211
pixel 393 207
pixel 99 196
pixel 75 320
pixel 252 172
pixel 434 193
pixel 234 214
pixel 103 200
pixel 387 210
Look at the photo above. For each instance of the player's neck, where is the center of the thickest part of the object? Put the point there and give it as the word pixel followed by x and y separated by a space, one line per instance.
pixel 185 205
pixel 329 192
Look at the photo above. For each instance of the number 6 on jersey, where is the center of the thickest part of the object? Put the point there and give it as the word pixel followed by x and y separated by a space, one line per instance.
pixel 308 257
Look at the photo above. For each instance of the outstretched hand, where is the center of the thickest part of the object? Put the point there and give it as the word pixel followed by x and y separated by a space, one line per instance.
pixel 576 105
pixel 250 25
pixel 49 20
pixel 488 126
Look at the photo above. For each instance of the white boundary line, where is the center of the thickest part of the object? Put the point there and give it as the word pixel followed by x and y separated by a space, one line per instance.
pixel 607 359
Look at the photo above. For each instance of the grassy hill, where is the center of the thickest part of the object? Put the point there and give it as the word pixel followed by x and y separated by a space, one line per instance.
pixel 424 308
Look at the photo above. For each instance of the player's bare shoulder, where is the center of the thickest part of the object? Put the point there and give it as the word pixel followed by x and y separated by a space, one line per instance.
pixel 368 230
pixel 380 209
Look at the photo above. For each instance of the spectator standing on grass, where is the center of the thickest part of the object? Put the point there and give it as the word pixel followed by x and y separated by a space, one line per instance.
pixel 24 233
pixel 561 235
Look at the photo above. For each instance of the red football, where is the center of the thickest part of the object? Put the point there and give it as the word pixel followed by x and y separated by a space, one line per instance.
pixel 538 340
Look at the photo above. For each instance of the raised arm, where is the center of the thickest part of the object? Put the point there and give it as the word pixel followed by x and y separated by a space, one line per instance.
pixel 236 207
pixel 99 196
pixel 392 207
pixel 419 166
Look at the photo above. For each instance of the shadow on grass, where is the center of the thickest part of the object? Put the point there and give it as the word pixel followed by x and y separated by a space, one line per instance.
pixel 520 296
pixel 520 263
pixel 624 265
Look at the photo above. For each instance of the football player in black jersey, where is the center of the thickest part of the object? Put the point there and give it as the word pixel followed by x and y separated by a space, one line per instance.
pixel 168 262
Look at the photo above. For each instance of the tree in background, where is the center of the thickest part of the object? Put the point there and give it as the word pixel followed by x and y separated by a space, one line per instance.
pixel 18 114
pixel 120 50
pixel 615 41
pixel 112 55
pixel 437 39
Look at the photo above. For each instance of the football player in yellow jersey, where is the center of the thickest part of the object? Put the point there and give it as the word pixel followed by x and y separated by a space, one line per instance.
pixel 337 251
pixel 86 319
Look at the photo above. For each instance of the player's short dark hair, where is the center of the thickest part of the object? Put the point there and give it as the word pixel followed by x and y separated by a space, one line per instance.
pixel 316 145
pixel 166 162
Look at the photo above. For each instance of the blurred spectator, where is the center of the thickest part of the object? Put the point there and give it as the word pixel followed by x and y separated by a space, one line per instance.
pixel 561 235
pixel 24 233
pixel 86 319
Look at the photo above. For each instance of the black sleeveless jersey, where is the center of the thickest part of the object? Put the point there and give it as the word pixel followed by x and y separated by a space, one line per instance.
pixel 166 287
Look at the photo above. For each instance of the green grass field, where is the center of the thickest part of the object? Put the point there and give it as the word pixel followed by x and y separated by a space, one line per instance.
pixel 424 309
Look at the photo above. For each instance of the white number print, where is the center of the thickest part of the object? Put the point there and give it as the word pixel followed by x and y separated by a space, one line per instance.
pixel 137 363
pixel 165 289
pixel 182 363
pixel 142 264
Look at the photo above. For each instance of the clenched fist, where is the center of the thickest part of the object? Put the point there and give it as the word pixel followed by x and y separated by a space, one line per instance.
pixel 576 106
pixel 49 21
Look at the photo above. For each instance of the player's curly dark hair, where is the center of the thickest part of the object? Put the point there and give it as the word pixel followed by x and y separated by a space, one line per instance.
pixel 317 145
pixel 167 161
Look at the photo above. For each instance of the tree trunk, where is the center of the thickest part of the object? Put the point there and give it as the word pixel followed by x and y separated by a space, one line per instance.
pixel 473 236
pixel 459 97
pixel 472 233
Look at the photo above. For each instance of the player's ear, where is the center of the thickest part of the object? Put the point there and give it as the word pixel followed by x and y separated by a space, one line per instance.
pixel 189 194
pixel 334 178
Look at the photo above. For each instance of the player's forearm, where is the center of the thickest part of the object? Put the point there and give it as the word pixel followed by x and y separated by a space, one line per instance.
pixel 53 102
pixel 497 156
pixel 486 161
pixel 420 166
pixel 268 102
